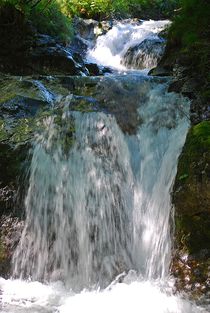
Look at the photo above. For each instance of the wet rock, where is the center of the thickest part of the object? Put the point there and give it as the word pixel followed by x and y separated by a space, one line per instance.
pixel 53 60
pixel 93 69
pixel 84 104
pixel 90 29
pixel 20 107
pixel 176 85
pixel 10 233
pixel 25 52
pixel 119 97
pixel 43 40
pixel 85 28
pixel 191 198
pixel 145 55
pixel 79 45
pixel 191 274
pixel 160 71
pixel 19 118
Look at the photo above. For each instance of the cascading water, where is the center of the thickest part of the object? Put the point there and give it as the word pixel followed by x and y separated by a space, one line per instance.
pixel 90 215
pixel 78 204
pixel 111 48
pixel 98 211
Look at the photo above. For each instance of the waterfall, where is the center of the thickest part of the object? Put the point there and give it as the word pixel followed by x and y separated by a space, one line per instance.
pixel 102 207
pixel 111 48
pixel 97 234
pixel 78 204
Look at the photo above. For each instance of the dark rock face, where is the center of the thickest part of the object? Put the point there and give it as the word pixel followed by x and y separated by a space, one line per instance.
pixel 93 69
pixel 85 28
pixel 25 52
pixel 192 188
pixel 191 198
pixel 145 55
pixel 89 29
pixel 10 232
pixel 16 130
pixel 186 81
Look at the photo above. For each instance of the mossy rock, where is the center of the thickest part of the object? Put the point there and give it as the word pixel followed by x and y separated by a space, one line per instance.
pixel 4 261
pixel 191 195
pixel 2 252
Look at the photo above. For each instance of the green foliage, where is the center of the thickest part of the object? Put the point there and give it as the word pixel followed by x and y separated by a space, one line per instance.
pixel 189 35
pixel 48 18
pixel 190 31
pixel 46 15
pixel 100 9
pixel 192 192
pixel 197 145
pixel 54 16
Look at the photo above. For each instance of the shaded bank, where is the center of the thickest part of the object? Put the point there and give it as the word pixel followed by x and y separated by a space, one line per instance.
pixel 187 59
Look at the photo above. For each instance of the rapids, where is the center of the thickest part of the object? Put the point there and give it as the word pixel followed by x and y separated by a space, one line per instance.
pixel 110 48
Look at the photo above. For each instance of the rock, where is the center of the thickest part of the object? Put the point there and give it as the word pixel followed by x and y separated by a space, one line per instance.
pixel 53 60
pixel 43 40
pixel 16 131
pixel 85 27
pixel 25 52
pixel 79 46
pixel 89 29
pixel 10 232
pixel 191 198
pixel 145 55
pixel 84 104
pixel 160 71
pixel 176 85
pixel 93 69
pixel 191 195
pixel 21 107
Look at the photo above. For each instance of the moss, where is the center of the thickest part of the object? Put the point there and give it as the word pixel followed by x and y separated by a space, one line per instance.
pixel 83 104
pixel 7 97
pixel 3 133
pixel 17 131
pixel 191 195
pixel 23 131
pixel 46 16
pixel 189 44
pixel 193 232
pixel 2 252
pixel 196 151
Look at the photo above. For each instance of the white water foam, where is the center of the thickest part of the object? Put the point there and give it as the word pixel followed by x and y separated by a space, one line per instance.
pixel 110 48
pixel 138 296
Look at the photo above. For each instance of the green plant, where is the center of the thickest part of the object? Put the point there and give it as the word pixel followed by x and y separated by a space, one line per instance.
pixel 46 15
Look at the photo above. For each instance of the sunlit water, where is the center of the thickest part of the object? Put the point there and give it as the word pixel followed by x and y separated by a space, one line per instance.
pixel 98 212
pixel 110 48
pixel 146 297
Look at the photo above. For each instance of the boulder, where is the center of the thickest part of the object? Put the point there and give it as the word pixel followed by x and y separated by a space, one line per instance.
pixel 89 29
pixel 10 233
pixel 93 69
pixel 144 55
pixel 191 199
pixel 25 52
pixel 85 28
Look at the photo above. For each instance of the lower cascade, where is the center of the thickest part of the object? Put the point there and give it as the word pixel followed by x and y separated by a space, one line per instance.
pixel 103 207
pixel 99 223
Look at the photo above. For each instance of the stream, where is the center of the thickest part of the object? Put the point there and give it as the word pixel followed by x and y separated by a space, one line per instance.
pixel 99 220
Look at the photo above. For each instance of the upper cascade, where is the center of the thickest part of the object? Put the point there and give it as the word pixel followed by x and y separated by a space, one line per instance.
pixel 111 48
